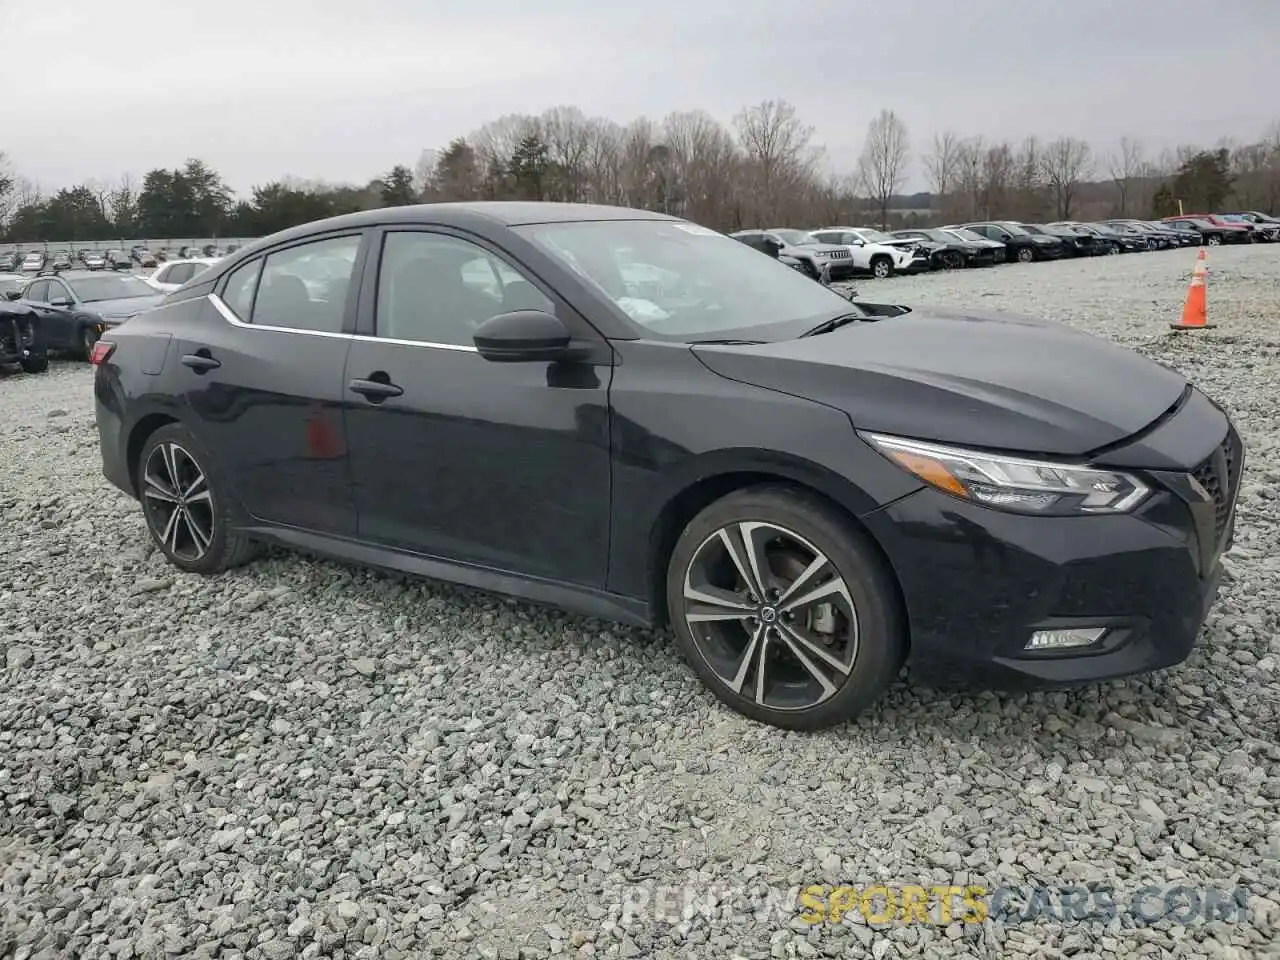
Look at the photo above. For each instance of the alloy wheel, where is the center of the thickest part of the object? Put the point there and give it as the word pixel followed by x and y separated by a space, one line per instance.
pixel 177 502
pixel 881 269
pixel 1026 255
pixel 771 615
pixel 1213 241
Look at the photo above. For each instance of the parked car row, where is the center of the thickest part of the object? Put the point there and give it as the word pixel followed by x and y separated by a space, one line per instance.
pixel 72 308
pixel 841 253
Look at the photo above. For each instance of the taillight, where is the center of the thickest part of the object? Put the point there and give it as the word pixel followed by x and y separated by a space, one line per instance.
pixel 101 350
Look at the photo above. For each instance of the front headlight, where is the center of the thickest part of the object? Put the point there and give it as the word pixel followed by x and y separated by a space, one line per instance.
pixel 1014 483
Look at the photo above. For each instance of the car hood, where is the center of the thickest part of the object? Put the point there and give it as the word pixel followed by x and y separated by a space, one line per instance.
pixel 124 308
pixel 978 379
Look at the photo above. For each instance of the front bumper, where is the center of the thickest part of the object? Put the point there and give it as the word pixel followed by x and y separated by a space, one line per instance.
pixel 840 269
pixel 19 339
pixel 978 582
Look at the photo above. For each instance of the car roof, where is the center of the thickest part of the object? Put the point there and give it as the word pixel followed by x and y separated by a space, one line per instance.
pixel 80 274
pixel 510 213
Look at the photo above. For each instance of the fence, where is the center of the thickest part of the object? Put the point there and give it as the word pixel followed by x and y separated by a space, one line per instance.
pixel 102 246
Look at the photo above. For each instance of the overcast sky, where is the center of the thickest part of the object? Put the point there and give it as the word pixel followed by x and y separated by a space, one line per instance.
pixel 339 90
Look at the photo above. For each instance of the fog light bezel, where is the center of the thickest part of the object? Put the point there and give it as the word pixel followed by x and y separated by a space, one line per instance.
pixel 1092 638
pixel 1117 633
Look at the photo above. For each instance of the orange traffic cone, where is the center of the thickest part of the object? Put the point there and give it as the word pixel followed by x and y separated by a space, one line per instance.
pixel 1195 314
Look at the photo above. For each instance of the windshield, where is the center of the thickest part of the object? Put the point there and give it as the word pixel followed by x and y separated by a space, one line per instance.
pixel 797 238
pixel 97 289
pixel 1013 228
pixel 875 236
pixel 681 281
pixel 966 234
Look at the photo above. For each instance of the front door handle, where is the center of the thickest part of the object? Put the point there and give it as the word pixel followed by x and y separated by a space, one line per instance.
pixel 376 388
pixel 201 362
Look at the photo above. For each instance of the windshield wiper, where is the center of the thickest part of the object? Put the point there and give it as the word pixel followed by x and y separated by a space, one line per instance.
pixel 826 326
pixel 725 342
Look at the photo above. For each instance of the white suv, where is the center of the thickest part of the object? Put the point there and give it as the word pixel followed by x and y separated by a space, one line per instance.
pixel 881 260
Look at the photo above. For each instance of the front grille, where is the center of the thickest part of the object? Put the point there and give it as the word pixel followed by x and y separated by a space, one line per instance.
pixel 839 254
pixel 1219 474
pixel 15 334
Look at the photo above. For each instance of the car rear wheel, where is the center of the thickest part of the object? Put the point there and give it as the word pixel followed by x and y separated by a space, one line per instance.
pixel 1026 255
pixel 1213 240
pixel 783 609
pixel 881 267
pixel 38 364
pixel 185 505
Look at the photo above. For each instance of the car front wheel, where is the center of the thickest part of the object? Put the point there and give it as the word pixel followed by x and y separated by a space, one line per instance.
pixel 185 505
pixel 881 268
pixel 784 609
pixel 1026 255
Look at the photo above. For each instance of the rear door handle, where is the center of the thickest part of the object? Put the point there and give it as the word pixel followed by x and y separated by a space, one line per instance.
pixel 375 391
pixel 200 362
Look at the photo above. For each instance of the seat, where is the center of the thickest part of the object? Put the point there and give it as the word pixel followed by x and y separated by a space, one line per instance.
pixel 522 295
pixel 284 302
pixel 427 300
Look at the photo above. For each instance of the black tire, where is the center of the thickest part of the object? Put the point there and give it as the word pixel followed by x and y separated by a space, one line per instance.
pixel 216 546
pixel 37 364
pixel 881 267
pixel 1213 240
pixel 873 639
pixel 811 269
pixel 1026 255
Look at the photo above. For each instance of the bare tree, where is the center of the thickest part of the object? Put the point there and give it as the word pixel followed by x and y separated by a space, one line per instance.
pixel 567 134
pixel 1125 166
pixel 1029 181
pixel 1068 162
pixel 942 162
pixel 969 158
pixel 779 153
pixel 998 169
pixel 883 164
pixel 703 165
pixel 7 198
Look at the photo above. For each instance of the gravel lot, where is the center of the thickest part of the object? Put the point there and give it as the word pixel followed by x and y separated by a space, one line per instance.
pixel 299 759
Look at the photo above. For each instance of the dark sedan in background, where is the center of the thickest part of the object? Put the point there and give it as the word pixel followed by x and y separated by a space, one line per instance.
pixel 1075 242
pixel 77 306
pixel 1021 244
pixel 807 491
pixel 1210 232
pixel 949 252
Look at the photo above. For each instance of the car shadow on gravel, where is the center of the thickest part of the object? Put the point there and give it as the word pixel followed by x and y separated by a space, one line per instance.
pixel 1155 707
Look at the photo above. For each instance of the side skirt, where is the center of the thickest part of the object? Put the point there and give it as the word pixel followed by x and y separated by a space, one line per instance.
pixel 570 597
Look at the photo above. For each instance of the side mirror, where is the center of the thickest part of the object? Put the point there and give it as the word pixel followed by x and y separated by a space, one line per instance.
pixel 524 336
pixel 13 294
pixel 60 302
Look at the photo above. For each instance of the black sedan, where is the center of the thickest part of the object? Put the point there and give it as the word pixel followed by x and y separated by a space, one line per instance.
pixel 1075 242
pixel 948 252
pixel 77 306
pixel 635 417
pixel 1021 244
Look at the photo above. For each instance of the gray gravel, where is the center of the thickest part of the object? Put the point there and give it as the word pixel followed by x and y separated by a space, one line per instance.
pixel 298 759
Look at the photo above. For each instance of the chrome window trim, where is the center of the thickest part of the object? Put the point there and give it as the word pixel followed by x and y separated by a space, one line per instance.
pixel 228 315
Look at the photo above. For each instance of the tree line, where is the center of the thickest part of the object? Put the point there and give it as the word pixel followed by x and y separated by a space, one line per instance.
pixel 764 168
